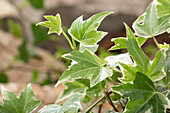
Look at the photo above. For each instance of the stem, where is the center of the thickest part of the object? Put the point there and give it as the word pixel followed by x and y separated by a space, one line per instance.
pixel 74 44
pixel 71 45
pixel 119 100
pixel 113 82
pixel 109 100
pixel 94 104
pixel 100 108
pixel 156 42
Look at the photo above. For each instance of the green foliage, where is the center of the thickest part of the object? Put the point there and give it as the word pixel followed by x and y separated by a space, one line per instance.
pixel 23 52
pixel 120 43
pixel 71 105
pixel 163 7
pixel 3 78
pixel 38 4
pixel 24 104
pixel 156 70
pixel 145 99
pixel 135 51
pixel 54 24
pixel 86 32
pixel 15 28
pixel 149 25
pixel 40 34
pixel 86 65
pixel 143 84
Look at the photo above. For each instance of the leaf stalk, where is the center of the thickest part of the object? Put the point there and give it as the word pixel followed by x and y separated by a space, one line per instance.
pixel 69 41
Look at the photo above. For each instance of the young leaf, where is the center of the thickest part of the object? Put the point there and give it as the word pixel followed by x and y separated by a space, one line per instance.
pixel 163 7
pixel 54 24
pixel 71 105
pixel 114 60
pixel 86 32
pixel 24 104
pixel 143 96
pixel 74 87
pixel 87 66
pixel 156 70
pixel 120 43
pixel 135 51
pixel 149 25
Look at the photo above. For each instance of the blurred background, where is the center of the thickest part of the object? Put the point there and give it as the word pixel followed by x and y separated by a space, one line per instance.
pixel 28 54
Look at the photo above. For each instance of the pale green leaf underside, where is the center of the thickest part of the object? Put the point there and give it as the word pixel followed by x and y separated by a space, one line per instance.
pixel 163 7
pixel 136 52
pixel 87 66
pixel 120 43
pixel 149 25
pixel 86 32
pixel 114 60
pixel 24 104
pixel 71 105
pixel 54 24
pixel 143 96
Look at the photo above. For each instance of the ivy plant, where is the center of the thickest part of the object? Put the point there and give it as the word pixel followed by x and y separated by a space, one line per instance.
pixel 143 85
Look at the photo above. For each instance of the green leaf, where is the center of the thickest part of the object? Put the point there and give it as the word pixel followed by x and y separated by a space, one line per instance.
pixel 163 7
pixel 143 96
pixel 114 60
pixel 135 51
pixel 38 4
pixel 120 43
pixel 149 25
pixel 40 34
pixel 23 52
pixel 3 78
pixel 86 32
pixel 91 48
pixel 73 88
pixel 71 105
pixel 15 28
pixel 87 66
pixel 128 72
pixel 54 24
pixel 156 70
pixel 24 104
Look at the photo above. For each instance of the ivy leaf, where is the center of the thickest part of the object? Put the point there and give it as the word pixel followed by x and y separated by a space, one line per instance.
pixel 54 24
pixel 120 43
pixel 143 96
pixel 24 104
pixel 114 60
pixel 163 7
pixel 87 66
pixel 135 51
pixel 39 4
pixel 23 52
pixel 3 78
pixel 166 80
pixel 149 25
pixel 91 48
pixel 156 70
pixel 74 87
pixel 128 72
pixel 71 105
pixel 86 32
